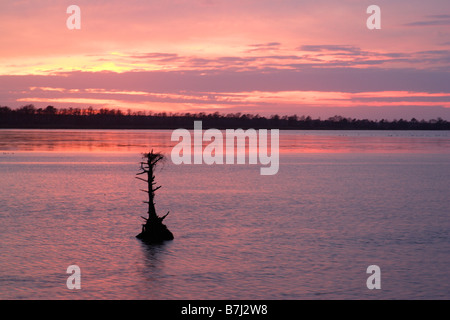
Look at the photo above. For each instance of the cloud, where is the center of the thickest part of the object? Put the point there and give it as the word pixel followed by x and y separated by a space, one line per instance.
pixel 327 79
pixel 435 20
pixel 270 46
pixel 440 16
pixel 333 48
pixel 155 56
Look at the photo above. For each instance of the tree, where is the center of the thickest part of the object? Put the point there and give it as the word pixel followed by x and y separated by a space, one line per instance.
pixel 28 109
pixel 50 110
pixel 153 230
pixel 5 110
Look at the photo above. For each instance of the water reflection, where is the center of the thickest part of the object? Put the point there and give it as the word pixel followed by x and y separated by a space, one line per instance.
pixel 307 230
pixel 153 257
pixel 83 140
pixel 137 141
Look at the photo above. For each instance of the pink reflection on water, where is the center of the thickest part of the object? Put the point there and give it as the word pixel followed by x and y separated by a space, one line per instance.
pixel 137 141
pixel 304 232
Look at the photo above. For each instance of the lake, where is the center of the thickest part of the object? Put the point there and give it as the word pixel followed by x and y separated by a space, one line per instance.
pixel 340 202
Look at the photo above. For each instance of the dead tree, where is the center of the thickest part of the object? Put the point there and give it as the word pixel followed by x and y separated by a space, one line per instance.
pixel 153 230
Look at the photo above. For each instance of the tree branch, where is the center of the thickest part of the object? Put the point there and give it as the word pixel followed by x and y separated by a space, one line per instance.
pixel 162 218
pixel 153 190
pixel 142 179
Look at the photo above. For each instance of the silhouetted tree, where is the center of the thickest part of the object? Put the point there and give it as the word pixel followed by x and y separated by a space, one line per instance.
pixel 28 109
pixel 5 110
pixel 89 118
pixel 153 230
pixel 50 110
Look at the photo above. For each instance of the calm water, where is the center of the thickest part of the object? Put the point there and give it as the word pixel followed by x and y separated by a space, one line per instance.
pixel 341 201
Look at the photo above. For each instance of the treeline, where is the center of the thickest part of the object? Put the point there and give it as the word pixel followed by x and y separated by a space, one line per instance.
pixel 50 117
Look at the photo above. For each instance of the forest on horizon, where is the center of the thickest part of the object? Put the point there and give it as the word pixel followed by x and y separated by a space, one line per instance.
pixel 30 117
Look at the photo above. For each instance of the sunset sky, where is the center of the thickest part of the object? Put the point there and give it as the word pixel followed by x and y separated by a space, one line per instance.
pixel 262 57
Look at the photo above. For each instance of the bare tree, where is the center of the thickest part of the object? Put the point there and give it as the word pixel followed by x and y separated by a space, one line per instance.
pixel 153 230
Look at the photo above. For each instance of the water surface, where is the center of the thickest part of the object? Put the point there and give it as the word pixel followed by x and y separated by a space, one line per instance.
pixel 341 201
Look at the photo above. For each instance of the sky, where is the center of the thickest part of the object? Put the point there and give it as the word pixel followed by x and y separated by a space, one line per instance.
pixel 263 57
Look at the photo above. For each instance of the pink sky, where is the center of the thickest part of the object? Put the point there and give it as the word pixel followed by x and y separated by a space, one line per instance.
pixel 313 58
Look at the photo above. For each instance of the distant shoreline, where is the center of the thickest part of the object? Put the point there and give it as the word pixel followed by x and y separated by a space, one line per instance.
pixel 28 117
pixel 205 128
